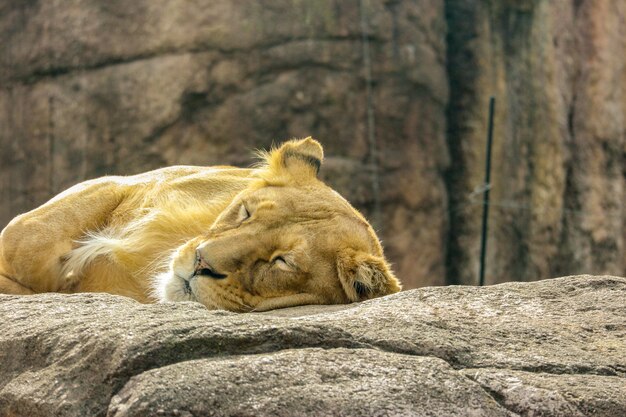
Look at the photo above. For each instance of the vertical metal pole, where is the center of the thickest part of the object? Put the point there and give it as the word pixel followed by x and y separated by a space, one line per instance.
pixel 487 185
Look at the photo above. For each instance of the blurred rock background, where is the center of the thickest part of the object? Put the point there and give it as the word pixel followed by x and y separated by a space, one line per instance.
pixel 397 92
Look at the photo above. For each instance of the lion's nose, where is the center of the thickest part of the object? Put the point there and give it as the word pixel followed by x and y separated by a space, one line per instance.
pixel 204 268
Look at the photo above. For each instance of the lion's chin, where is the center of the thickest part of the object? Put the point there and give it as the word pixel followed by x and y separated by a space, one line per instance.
pixel 169 287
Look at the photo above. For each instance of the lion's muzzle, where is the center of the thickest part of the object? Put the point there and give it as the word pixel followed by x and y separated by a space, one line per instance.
pixel 203 268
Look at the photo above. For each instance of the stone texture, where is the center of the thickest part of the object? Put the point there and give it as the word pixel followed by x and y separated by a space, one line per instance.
pixel 554 347
pixel 559 174
pixel 344 382
pixel 533 394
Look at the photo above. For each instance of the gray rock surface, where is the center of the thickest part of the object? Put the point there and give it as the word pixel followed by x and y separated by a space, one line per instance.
pixel 550 348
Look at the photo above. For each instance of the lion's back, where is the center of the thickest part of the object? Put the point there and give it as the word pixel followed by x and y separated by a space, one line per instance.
pixel 165 208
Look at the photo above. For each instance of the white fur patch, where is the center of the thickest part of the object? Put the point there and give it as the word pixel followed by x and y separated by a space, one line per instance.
pixel 160 286
pixel 168 287
pixel 91 247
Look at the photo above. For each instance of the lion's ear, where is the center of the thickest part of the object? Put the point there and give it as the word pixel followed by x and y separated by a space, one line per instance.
pixel 364 276
pixel 298 159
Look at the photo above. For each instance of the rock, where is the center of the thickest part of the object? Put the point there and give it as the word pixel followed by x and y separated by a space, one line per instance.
pixel 559 167
pixel 555 347
pixel 308 381
pixel 532 393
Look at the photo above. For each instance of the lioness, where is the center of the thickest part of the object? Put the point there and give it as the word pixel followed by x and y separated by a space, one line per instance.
pixel 229 238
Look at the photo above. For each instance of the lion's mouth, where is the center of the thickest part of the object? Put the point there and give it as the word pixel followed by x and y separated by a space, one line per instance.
pixel 208 272
pixel 187 287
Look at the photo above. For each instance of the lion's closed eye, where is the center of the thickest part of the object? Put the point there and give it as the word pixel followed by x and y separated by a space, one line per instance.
pixel 280 263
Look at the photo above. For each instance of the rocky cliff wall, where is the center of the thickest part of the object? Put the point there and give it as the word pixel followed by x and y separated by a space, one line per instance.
pixel 559 176
pixel 89 88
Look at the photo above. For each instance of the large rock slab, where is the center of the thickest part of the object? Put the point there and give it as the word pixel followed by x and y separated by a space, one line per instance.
pixel 555 347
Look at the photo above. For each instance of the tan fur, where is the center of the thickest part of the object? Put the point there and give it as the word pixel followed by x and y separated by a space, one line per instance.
pixel 230 238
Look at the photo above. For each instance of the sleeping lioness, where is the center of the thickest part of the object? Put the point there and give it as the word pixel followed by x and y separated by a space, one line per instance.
pixel 229 238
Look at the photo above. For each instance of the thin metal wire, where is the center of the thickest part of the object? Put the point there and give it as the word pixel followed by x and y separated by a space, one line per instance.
pixel 516 205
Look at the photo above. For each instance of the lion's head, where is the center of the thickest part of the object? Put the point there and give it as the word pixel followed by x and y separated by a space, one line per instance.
pixel 286 240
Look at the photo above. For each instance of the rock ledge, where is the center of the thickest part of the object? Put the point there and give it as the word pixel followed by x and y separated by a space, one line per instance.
pixel 554 347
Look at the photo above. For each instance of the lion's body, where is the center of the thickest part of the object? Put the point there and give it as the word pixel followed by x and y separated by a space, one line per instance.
pixel 118 234
pixel 157 212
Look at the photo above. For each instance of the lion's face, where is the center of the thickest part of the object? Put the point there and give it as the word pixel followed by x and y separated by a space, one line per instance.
pixel 287 240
